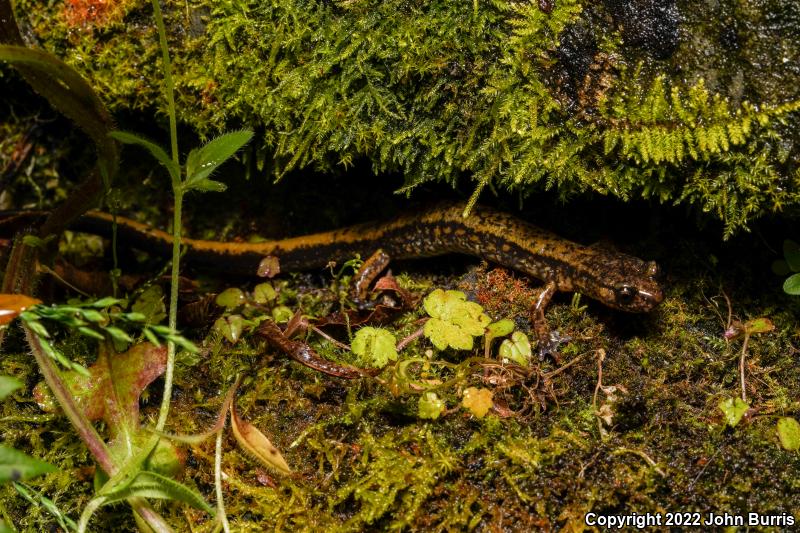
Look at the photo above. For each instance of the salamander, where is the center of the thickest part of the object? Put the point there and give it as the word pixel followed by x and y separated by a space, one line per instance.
pixel 617 280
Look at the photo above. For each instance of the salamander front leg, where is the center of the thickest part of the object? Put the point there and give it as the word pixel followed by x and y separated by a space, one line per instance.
pixel 548 345
pixel 366 275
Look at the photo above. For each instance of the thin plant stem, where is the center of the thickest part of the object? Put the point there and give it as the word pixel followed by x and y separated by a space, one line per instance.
pixel 741 367
pixel 173 312
pixel 218 484
pixel 163 412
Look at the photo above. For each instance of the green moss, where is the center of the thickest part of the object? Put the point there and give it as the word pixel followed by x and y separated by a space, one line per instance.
pixel 495 93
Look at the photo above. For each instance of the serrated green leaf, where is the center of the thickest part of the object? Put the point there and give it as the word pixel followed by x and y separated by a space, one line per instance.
pixel 444 334
pixel 154 149
pixel 792 285
pixel 204 160
pixel 375 346
pixel 15 465
pixel 733 409
pixel 454 321
pixel 8 385
pixel 789 433
pixel 152 485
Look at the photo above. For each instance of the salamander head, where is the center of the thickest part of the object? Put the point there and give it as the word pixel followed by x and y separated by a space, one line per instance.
pixel 625 283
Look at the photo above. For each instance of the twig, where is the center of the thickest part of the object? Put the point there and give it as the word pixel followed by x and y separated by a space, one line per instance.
pixel 741 365
pixel 411 338
pixel 560 369
pixel 327 337
pixel 643 455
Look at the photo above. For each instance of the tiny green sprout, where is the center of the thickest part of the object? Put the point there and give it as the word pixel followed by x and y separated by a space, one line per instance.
pixel 230 298
pixel 35 242
pixel 454 321
pixel 281 314
pixel 230 327
pixel 517 349
pixel 375 346
pixel 789 433
pixel 501 328
pixel 264 292
pixel 733 409
pixel 430 406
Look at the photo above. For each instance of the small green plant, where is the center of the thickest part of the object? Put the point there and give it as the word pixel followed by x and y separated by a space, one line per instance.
pixel 517 349
pixel 375 346
pixel 733 409
pixel 430 406
pixel 193 176
pixel 454 321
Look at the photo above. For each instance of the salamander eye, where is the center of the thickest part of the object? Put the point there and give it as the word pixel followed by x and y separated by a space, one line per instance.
pixel 652 269
pixel 626 293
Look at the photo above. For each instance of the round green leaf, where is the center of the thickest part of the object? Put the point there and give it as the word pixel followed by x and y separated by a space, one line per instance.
pixel 375 346
pixel 230 298
pixel 430 406
pixel 789 433
pixel 792 285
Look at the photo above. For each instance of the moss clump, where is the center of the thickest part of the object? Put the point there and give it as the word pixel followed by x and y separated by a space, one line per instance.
pixel 498 93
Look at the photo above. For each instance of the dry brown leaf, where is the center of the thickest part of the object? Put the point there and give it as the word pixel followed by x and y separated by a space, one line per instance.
pixel 256 443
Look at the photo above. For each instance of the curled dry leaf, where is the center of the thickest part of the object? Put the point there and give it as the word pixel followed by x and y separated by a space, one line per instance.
pixel 256 443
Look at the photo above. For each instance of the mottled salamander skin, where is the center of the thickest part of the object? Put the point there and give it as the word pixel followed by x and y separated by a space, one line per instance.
pixel 615 279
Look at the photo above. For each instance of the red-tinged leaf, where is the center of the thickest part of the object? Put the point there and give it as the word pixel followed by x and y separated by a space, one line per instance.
pixel 269 267
pixel 11 305
pixel 759 325
pixel 255 443
pixel 389 283
pixel 736 329
pixel 115 382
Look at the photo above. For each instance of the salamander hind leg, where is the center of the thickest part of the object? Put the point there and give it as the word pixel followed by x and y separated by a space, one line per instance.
pixel 548 340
